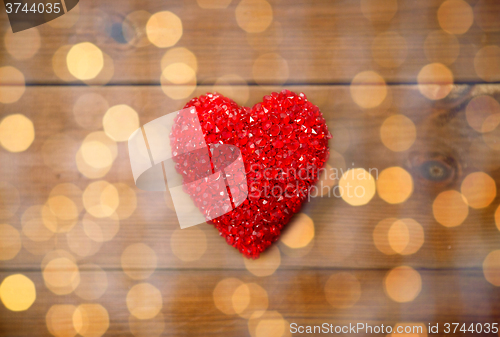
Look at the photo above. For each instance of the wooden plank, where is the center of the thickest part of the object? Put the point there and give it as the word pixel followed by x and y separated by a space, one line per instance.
pixel 344 234
pixel 322 41
pixel 447 296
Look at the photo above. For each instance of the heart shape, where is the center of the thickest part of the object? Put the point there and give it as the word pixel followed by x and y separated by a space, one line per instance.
pixel 283 142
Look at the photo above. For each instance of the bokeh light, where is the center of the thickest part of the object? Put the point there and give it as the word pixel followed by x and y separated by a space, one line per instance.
pixel 59 64
pixel 81 244
pixel 441 47
pixel 59 320
pixel 128 201
pixel 188 244
pixel 101 229
pixel 398 236
pixel 450 208
pixel 266 264
pixel 153 327
pixel 61 275
pixel 12 85
pixel 34 222
pixel 164 29
pixel 270 324
pixel 60 214
pixel 71 191
pixel 270 68
pixel 62 207
pixel 406 236
pixel 179 55
pixel 342 290
pixel 107 73
pixel 85 61
pixel 491 268
pixel 250 300
pixel 17 292
pixel 91 320
pixel 381 236
pixel 389 49
pixel 73 149
pixel 497 218
pixel 368 89
pixel 223 294
pixel 17 133
pixel 144 301
pixel 55 254
pixel 178 73
pixel 403 284
pixel 101 199
pixel 357 187
pixel 178 80
pixel 299 232
pixel 88 170
pixel 455 16
pixel 38 248
pixel 120 121
pixel 483 113
pixel 22 45
pixel 492 141
pixel 139 261
pixel 487 63
pixel 394 185
pixel 93 282
pixel 479 189
pixel 435 81
pixel 254 16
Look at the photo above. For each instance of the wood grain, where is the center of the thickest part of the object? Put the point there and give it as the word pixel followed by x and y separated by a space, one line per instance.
pixel 343 232
pixel 188 307
pixel 322 41
pixel 325 44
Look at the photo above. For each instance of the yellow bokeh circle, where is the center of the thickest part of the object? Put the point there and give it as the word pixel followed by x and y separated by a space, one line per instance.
pixel 394 185
pixel 17 292
pixel 254 16
pixel 85 61
pixel 120 121
pixel 357 187
pixel 164 29
pixel 17 133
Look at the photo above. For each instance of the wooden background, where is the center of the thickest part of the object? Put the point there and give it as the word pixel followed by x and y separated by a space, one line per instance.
pixel 324 45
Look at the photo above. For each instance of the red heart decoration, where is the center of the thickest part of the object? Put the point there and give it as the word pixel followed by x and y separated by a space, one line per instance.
pixel 284 143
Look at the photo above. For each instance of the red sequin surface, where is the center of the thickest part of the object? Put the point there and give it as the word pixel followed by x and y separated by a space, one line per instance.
pixel 284 143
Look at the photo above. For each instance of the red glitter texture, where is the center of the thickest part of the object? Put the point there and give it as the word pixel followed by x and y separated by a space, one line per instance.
pixel 284 143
